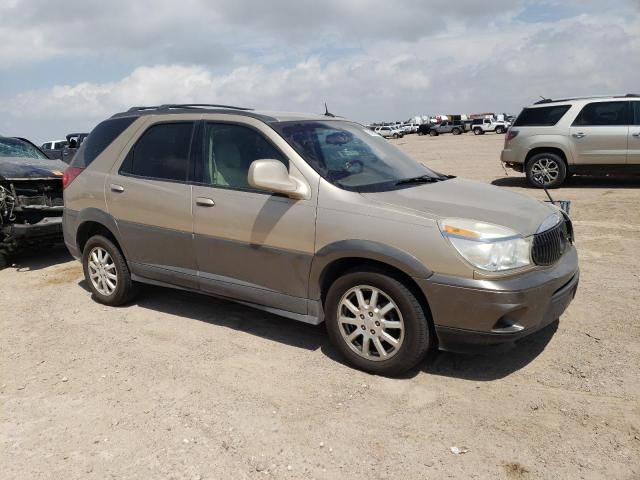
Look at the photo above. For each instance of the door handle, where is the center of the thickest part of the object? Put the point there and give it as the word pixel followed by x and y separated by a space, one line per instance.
pixel 117 188
pixel 637 134
pixel 205 202
pixel 579 135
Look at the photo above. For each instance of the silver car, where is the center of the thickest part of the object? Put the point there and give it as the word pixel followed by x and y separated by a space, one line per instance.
pixel 317 219
pixel 554 139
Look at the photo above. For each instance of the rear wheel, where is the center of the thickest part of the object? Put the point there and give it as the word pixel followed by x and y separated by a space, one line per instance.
pixel 546 170
pixel 477 131
pixel 376 323
pixel 106 272
pixel 500 130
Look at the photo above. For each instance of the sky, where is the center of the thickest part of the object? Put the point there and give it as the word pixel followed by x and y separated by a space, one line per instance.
pixel 65 65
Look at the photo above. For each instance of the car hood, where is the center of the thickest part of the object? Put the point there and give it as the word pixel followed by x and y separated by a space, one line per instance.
pixel 12 168
pixel 467 199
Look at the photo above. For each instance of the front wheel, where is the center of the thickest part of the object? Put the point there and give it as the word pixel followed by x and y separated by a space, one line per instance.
pixel 456 131
pixel 106 272
pixel 546 170
pixel 433 133
pixel 376 323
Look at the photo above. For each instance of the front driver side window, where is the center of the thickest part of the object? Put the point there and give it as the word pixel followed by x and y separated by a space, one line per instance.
pixel 229 151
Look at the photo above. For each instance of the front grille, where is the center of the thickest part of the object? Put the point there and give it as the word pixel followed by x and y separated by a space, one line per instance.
pixel 549 246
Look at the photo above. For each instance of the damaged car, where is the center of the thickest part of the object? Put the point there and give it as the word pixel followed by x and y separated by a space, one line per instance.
pixel 31 201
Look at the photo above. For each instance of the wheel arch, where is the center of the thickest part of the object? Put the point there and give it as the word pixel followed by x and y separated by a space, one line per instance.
pixel 337 258
pixel 93 222
pixel 555 150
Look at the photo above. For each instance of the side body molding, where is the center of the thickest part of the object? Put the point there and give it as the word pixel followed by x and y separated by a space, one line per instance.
pixel 365 249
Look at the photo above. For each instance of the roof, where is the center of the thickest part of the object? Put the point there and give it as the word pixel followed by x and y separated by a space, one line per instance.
pixel 265 116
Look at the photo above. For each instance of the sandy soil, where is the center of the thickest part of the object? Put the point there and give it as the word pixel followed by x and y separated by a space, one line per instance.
pixel 184 386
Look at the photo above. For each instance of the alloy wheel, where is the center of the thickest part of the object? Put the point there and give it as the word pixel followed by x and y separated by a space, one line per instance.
pixel 545 171
pixel 102 271
pixel 370 323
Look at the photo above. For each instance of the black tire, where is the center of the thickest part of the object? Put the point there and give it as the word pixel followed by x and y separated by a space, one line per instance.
pixel 418 337
pixel 125 288
pixel 456 131
pixel 433 133
pixel 500 130
pixel 552 163
pixel 396 136
pixel 478 131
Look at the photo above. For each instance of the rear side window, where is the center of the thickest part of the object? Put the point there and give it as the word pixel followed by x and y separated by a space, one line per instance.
pixel 99 139
pixel 162 152
pixel 603 114
pixel 541 116
pixel 636 109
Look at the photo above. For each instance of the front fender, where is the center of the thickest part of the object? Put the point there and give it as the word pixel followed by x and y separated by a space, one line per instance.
pixel 364 249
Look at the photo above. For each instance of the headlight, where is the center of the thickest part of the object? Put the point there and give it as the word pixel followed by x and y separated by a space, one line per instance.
pixel 486 246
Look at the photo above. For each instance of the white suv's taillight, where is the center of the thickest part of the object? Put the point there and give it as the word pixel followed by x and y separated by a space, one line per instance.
pixel 511 134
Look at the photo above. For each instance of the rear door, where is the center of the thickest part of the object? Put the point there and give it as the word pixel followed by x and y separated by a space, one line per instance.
pixel 149 196
pixel 599 134
pixel 633 157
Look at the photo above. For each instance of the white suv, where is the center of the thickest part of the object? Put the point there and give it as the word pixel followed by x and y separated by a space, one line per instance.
pixel 554 139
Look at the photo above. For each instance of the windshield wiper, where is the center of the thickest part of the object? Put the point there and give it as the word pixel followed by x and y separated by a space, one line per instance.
pixel 420 179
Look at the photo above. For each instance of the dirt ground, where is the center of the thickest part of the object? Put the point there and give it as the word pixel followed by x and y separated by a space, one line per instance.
pixel 184 386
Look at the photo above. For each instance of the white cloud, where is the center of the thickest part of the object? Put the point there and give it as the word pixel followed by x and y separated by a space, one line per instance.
pixel 388 62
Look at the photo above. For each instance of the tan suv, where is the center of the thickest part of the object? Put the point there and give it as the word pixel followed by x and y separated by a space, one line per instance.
pixel 554 139
pixel 317 219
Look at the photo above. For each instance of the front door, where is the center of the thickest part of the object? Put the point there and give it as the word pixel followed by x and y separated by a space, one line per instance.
pixel 150 199
pixel 633 157
pixel 599 134
pixel 250 245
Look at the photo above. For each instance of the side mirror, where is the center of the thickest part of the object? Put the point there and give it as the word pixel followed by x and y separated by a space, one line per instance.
pixel 272 175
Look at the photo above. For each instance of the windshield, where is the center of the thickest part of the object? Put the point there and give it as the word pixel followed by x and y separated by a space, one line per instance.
pixel 12 147
pixel 350 156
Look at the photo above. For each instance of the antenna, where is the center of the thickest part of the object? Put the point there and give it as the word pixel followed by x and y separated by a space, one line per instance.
pixel 326 111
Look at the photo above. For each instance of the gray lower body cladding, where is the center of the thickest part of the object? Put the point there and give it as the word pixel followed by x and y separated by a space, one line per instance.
pixel 486 312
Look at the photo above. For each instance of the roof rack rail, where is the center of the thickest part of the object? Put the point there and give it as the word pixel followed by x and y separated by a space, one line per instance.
pixel 586 97
pixel 171 106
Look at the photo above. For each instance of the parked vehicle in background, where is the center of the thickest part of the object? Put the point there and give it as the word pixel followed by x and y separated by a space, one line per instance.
pixel 30 196
pixel 423 129
pixel 554 139
pixel 480 126
pixel 53 149
pixel 74 140
pixel 389 132
pixel 446 127
pixel 316 219
pixel 410 128
pixel 460 123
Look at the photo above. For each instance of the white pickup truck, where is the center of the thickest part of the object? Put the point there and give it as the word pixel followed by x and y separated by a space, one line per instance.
pixel 482 125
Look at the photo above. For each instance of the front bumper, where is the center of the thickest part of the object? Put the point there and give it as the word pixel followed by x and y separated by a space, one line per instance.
pixel 47 227
pixel 468 312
